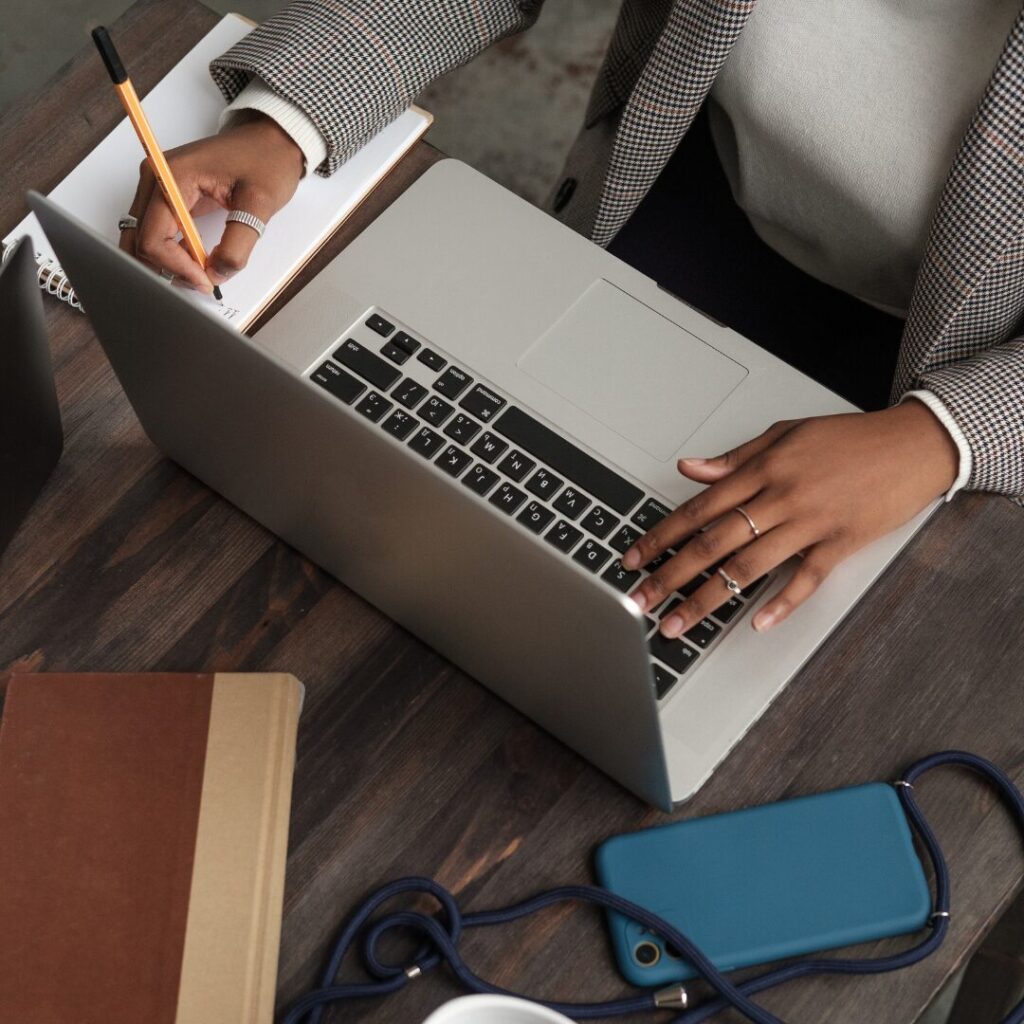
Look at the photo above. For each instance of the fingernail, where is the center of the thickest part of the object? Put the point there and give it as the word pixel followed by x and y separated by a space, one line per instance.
pixel 639 600
pixel 206 289
pixel 765 619
pixel 671 627
pixel 692 462
pixel 631 559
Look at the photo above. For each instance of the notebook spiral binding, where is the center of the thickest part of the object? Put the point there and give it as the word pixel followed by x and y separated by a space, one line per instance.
pixel 51 279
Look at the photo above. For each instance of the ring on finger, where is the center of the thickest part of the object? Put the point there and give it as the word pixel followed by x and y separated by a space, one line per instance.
pixel 730 583
pixel 128 223
pixel 750 522
pixel 167 275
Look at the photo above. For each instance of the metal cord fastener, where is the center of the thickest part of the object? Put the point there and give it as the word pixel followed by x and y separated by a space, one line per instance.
pixel 906 785
pixel 413 972
pixel 672 998
pixel 939 913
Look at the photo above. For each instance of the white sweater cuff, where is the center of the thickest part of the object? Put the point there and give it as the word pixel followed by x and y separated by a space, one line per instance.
pixel 942 414
pixel 257 95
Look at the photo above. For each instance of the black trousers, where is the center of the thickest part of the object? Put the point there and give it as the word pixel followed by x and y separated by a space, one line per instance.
pixel 692 238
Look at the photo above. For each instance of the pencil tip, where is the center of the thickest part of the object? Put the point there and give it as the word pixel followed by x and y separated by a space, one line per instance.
pixel 217 295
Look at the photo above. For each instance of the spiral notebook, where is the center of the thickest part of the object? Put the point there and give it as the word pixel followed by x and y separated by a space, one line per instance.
pixel 186 105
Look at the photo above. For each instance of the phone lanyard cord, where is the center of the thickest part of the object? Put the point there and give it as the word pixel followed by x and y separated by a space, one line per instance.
pixel 441 934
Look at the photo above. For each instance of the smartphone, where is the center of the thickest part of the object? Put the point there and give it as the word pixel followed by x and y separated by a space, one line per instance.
pixel 757 885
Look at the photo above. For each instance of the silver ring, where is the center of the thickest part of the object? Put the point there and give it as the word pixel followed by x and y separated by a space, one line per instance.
pixel 127 223
pixel 167 275
pixel 250 220
pixel 730 583
pixel 750 522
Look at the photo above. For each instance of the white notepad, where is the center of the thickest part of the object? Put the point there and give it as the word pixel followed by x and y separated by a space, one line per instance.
pixel 184 106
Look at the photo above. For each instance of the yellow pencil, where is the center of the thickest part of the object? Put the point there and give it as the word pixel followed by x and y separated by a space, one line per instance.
pixel 157 161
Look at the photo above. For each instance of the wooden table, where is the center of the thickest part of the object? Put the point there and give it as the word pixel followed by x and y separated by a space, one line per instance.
pixel 405 765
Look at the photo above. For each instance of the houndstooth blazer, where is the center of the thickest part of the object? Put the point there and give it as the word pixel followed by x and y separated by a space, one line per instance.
pixel 354 65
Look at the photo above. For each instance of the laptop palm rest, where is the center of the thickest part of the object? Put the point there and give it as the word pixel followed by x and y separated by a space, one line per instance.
pixel 632 369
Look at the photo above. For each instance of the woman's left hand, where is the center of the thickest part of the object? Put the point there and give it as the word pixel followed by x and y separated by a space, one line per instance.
pixel 821 487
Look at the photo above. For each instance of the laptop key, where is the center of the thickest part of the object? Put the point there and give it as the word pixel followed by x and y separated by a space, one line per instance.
pixel 452 382
pixel 663 681
pixel 403 340
pixel 488 447
pixel 625 537
pixel 394 353
pixel 480 479
pixel 483 402
pixel 380 325
pixel 367 364
pixel 703 633
pixel 563 536
pixel 621 578
pixel 426 442
pixel 728 611
pixel 435 411
pixel 430 358
pixel 339 383
pixel 516 465
pixel 688 589
pixel 508 498
pixel 600 522
pixel 373 407
pixel 409 393
pixel 462 429
pixel 571 503
pixel 543 484
pixel 591 555
pixel 674 653
pixel 752 588
pixel 454 460
pixel 535 516
pixel 400 424
pixel 649 514
pixel 565 458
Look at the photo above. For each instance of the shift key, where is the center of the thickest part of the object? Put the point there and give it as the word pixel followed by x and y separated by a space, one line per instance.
pixel 379 373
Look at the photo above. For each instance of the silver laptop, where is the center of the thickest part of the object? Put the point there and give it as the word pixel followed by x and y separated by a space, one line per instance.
pixel 466 417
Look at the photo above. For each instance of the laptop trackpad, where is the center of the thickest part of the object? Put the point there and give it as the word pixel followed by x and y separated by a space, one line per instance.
pixel 632 369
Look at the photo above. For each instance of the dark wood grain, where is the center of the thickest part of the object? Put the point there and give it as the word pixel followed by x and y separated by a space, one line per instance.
pixel 406 765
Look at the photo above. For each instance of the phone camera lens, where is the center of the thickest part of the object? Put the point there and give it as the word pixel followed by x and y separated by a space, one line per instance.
pixel 647 954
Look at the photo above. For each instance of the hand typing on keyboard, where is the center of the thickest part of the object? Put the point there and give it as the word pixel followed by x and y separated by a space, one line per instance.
pixel 821 488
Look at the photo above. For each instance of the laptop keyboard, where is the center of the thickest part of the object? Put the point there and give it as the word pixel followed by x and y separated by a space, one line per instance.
pixel 469 431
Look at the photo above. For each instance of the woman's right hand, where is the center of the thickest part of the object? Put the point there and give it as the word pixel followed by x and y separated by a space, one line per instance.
pixel 251 165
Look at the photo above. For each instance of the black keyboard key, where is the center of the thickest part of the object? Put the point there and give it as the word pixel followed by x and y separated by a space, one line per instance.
pixel 592 555
pixel 751 589
pixel 600 522
pixel 399 423
pixel 624 539
pixel 516 465
pixel 433 360
pixel 367 364
pixel 488 447
pixel 380 325
pixel 571 503
pixel 543 484
pixel 339 383
pixel 394 353
pixel 663 681
pixel 462 429
pixel 508 498
pixel 621 578
pixel 691 588
pixel 483 402
pixel 674 653
pixel 403 340
pixel 563 535
pixel 535 516
pixel 452 382
pixel 650 513
pixel 435 411
pixel 480 479
pixel 426 442
pixel 728 611
pixel 408 393
pixel 373 407
pixel 565 458
pixel 703 633
pixel 650 623
pixel 454 460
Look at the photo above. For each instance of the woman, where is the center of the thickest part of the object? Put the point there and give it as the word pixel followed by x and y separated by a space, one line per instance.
pixel 877 152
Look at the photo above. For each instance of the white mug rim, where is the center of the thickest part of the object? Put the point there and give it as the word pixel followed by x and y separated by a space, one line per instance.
pixel 483 1003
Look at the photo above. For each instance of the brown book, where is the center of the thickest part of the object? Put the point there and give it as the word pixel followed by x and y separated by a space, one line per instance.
pixel 143 837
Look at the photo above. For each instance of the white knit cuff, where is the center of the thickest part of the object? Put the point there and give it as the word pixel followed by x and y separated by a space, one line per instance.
pixel 942 414
pixel 257 95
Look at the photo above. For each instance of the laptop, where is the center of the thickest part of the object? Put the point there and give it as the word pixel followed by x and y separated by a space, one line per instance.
pixel 31 438
pixel 466 417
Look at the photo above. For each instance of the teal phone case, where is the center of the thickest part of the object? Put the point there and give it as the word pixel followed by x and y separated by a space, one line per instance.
pixel 757 885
